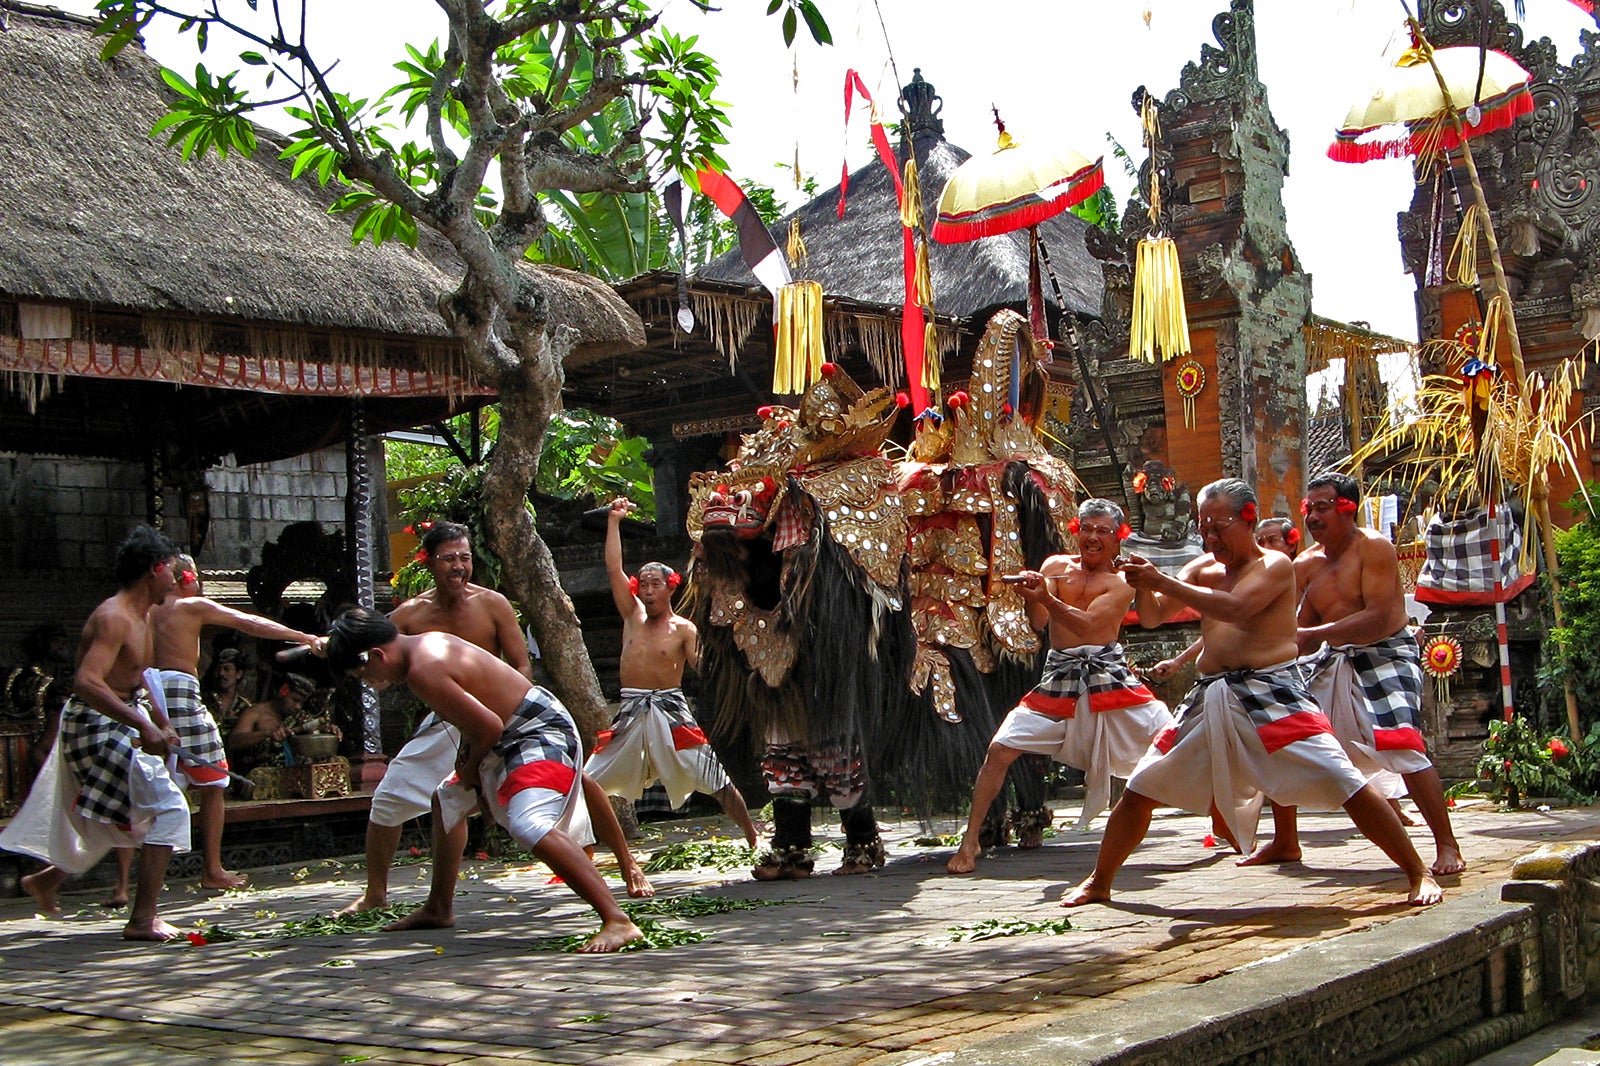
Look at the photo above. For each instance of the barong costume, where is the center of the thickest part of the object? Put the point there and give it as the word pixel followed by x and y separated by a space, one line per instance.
pixel 530 780
pixel 1088 711
pixel 1242 734
pixel 196 728
pixel 654 737
pixel 98 791
pixel 1372 695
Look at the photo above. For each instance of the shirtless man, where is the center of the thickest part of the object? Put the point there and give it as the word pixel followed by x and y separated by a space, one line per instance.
pixel 483 617
pixel 177 623
pixel 654 736
pixel 1088 710
pixel 1368 675
pixel 115 745
pixel 519 759
pixel 1248 726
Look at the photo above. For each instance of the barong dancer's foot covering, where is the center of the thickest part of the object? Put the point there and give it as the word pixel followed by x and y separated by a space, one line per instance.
pixel 783 864
pixel 1031 826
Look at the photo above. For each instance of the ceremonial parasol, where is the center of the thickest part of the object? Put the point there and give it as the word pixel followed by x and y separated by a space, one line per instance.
pixel 1475 91
pixel 1016 187
pixel 1406 113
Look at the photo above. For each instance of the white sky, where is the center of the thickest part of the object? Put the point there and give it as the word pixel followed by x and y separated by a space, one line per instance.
pixel 1058 69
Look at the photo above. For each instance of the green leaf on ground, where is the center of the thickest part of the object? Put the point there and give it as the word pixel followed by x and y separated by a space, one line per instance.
pixel 656 935
pixel 993 928
pixel 698 854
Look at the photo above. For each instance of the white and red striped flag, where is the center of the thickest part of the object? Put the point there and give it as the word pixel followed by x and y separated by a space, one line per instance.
pixel 756 246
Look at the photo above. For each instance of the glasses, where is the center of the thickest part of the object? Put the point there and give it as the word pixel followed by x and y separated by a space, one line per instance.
pixel 1321 506
pixel 1096 531
pixel 1211 525
pixel 453 558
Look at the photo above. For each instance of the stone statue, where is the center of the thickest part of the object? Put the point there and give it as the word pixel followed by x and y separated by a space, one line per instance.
pixel 1166 508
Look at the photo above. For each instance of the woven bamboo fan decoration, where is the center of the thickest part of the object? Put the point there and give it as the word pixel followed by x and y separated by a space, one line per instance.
pixel 1160 321
pixel 799 346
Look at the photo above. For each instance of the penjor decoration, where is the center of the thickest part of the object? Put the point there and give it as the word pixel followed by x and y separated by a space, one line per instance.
pixel 800 352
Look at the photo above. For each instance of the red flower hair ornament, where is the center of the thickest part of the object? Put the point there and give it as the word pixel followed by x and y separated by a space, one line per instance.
pixel 1341 505
pixel 1292 537
pixel 1072 526
pixel 1124 531
pixel 1248 512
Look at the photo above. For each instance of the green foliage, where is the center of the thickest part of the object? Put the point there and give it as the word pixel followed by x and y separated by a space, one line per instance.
pixel 993 928
pixel 1518 763
pixel 586 455
pixel 1100 210
pixel 694 905
pixel 656 935
pixel 719 855
pixel 796 10
pixel 457 497
pixel 1570 648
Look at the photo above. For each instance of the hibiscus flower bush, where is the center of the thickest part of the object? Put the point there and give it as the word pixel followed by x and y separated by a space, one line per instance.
pixel 1518 763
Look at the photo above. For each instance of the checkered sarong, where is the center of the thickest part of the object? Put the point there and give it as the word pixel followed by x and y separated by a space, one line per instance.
pixel 539 746
pixel 1101 673
pixel 100 752
pixel 1275 701
pixel 654 737
pixel 1461 568
pixel 196 729
pixel 1388 679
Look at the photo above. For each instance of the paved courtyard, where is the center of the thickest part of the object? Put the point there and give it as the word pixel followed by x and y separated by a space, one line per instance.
pixel 883 968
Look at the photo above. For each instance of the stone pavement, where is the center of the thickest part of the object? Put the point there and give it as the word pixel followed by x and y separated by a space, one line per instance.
pixel 847 970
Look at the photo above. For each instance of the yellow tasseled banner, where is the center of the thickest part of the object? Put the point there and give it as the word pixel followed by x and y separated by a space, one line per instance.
pixel 800 349
pixel 1160 320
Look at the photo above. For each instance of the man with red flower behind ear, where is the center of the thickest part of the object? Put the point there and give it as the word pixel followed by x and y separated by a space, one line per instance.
pixel 1088 710
pixel 654 736
pixel 1367 676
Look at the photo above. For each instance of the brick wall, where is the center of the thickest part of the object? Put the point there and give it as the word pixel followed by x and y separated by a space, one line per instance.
pixel 251 505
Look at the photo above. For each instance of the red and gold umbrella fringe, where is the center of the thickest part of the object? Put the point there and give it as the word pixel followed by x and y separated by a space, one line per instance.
pixel 1020 213
pixel 1436 135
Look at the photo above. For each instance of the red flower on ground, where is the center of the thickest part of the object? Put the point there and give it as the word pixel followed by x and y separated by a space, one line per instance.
pixel 197 939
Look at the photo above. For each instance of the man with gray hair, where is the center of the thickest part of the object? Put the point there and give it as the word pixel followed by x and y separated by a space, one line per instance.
pixel 1248 727
pixel 1088 710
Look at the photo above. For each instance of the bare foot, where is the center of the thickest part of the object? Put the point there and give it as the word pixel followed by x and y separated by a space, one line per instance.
pixel 154 930
pixel 362 905
pixel 1448 861
pixel 639 886
pixel 1425 892
pixel 116 901
pixel 421 918
pixel 612 935
pixel 1088 892
pixel 1400 813
pixel 1271 852
pixel 45 895
pixel 224 880
pixel 962 862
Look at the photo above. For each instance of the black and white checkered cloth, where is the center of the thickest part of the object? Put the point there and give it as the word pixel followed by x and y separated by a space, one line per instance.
pixel 1276 702
pixel 191 720
pixel 1389 677
pixel 1460 559
pixel 1100 673
pixel 541 730
pixel 100 752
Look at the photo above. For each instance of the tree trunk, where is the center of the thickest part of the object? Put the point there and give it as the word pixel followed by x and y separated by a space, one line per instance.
pixel 530 395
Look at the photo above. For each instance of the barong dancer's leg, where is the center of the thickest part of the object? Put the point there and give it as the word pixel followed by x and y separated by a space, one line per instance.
pixel 1371 813
pixel 1427 792
pixel 143 922
pixel 1129 822
pixel 991 779
pixel 1285 843
pixel 603 818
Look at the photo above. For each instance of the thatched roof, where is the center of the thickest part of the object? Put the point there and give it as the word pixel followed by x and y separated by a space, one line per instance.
pixel 860 255
pixel 100 215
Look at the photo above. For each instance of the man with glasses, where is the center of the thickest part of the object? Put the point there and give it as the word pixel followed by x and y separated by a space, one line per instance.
pixel 1088 710
pixel 482 617
pixel 1367 671
pixel 1248 726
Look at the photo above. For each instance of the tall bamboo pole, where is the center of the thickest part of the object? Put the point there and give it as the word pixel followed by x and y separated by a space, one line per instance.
pixel 1541 482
